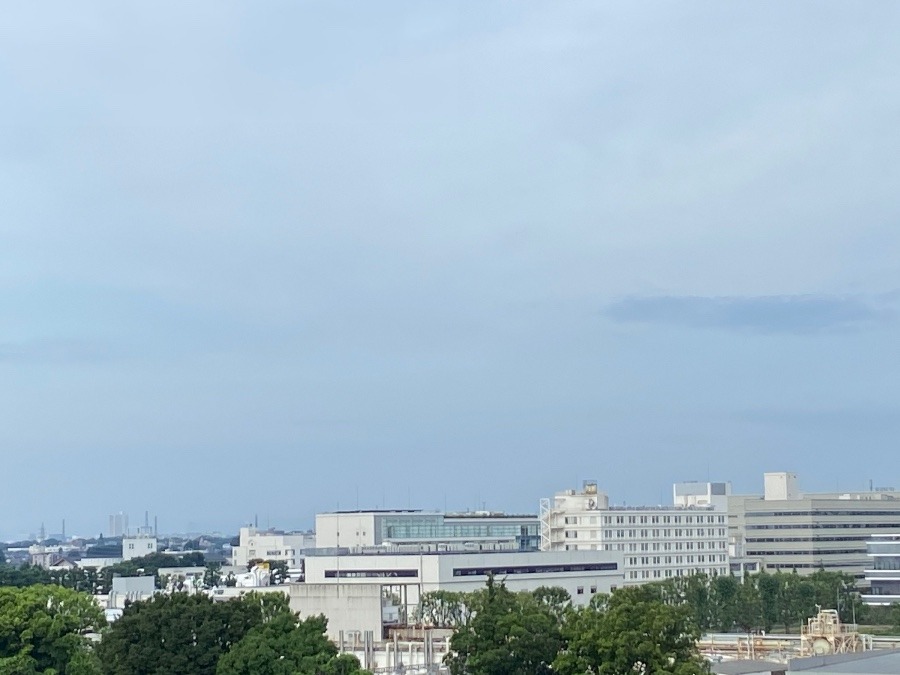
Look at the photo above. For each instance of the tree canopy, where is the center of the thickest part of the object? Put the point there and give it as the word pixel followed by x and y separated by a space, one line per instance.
pixel 631 631
pixel 179 633
pixel 507 633
pixel 43 630
pixel 285 645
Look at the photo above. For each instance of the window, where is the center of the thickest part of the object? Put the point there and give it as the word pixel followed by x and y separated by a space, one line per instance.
pixel 580 590
pixel 593 589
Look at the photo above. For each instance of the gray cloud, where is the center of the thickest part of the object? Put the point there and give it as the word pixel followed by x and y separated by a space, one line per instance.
pixel 797 314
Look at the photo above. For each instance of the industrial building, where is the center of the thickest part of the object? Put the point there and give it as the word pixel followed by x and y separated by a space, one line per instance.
pixel 657 542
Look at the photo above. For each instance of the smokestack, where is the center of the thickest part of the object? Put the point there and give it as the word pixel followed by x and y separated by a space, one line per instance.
pixel 155 524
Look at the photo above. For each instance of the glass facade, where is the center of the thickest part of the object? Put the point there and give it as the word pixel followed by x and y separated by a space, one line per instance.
pixel 520 531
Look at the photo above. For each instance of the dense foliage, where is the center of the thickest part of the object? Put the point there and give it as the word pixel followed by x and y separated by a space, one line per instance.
pixel 634 630
pixel 630 631
pixel 178 633
pixel 506 633
pixel 285 646
pixel 43 629
pixel 763 601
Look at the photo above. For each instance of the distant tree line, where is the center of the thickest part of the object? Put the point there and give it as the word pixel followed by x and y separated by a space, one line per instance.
pixel 92 580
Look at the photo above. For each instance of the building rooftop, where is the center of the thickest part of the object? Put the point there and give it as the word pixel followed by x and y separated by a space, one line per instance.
pixel 879 662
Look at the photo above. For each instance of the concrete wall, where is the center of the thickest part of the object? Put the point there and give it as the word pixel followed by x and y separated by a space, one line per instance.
pixel 348 608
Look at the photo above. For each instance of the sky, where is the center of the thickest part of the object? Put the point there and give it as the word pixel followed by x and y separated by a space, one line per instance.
pixel 259 260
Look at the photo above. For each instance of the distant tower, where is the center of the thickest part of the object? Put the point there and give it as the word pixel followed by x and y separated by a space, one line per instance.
pixel 118 524
pixel 43 534
pixel 64 530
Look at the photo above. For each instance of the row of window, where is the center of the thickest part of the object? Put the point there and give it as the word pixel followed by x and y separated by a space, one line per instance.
pixel 678 559
pixel 827 526
pixel 645 520
pixel 534 569
pixel 769 540
pixel 817 552
pixel 817 513
pixel 660 574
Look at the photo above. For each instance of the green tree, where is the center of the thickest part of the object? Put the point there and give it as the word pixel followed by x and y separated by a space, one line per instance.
pixel 213 575
pixel 180 633
pixel 43 630
pixel 508 633
pixel 443 609
pixel 724 592
pixel 554 598
pixel 283 645
pixel 631 631
pixel 278 572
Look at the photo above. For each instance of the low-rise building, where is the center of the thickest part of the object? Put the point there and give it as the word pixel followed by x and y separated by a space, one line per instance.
pixel 275 545
pixel 581 573
pixel 138 547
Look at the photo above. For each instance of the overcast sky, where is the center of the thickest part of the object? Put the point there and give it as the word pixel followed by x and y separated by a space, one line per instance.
pixel 274 258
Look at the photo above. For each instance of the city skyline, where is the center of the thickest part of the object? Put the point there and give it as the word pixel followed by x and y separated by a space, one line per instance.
pixel 269 260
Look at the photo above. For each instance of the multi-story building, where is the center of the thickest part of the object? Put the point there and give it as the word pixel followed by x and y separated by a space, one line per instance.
pixel 786 529
pixel 883 572
pixel 118 524
pixel 657 542
pixel 428 530
pixel 272 545
pixel 406 576
pixel 137 547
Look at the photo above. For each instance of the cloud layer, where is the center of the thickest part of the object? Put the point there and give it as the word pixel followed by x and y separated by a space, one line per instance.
pixel 796 314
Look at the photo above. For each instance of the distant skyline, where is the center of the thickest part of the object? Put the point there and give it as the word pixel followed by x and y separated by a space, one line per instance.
pixel 256 259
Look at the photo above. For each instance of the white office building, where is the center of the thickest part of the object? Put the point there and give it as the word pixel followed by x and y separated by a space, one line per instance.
pixel 582 574
pixel 405 576
pixel 789 530
pixel 429 530
pixel 657 542
pixel 272 545
pixel 883 570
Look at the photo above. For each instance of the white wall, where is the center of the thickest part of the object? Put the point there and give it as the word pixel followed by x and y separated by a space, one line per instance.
pixel 348 608
pixel 136 547
pixel 345 530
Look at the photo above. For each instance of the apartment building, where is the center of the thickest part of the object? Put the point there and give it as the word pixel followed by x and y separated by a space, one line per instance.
pixel 657 542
